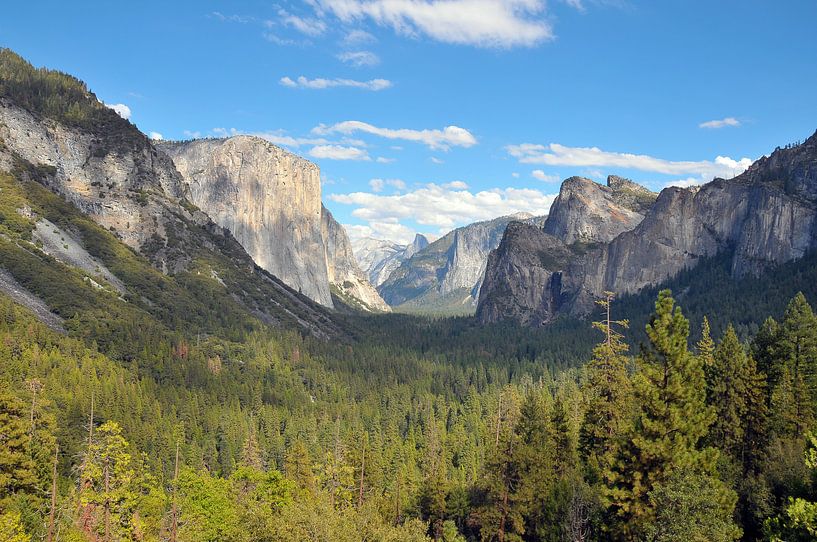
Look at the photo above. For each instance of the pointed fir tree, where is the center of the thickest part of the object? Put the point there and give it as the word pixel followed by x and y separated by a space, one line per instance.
pixel 729 382
pixel 798 350
pixel 17 470
pixel 671 420
pixel 607 393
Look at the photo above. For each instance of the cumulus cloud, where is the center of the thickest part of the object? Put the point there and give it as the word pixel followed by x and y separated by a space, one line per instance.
pixel 435 160
pixel 121 109
pixel 320 83
pixel 542 176
pixel 444 206
pixel 359 59
pixel 156 136
pixel 561 155
pixel 339 152
pixel 387 231
pixel 720 123
pixel 481 23
pixel 384 160
pixel 435 139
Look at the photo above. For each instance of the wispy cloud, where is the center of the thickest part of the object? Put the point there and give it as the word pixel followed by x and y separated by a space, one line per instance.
pixel 720 123
pixel 358 37
pixel 450 136
pixel 156 136
pixel 321 83
pixel 305 25
pixel 542 176
pixel 481 23
pixel 359 59
pixel 377 185
pixel 339 152
pixel 561 155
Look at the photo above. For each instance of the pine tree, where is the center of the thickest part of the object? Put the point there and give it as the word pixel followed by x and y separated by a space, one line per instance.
pixel 111 489
pixel 728 394
pixel 17 470
pixel 671 420
pixel 607 392
pixel 798 350
pixel 298 466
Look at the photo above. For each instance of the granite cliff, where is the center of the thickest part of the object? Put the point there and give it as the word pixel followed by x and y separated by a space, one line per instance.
pixel 345 276
pixel 378 258
pixel 446 276
pixel 763 217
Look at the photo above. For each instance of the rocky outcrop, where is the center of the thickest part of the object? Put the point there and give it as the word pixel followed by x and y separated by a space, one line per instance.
pixel 124 183
pixel 378 258
pixel 446 276
pixel 588 212
pixel 764 217
pixel 344 274
pixel 268 198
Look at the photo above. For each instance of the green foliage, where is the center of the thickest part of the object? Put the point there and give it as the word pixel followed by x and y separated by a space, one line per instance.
pixel 11 528
pixel 692 508
pixel 672 418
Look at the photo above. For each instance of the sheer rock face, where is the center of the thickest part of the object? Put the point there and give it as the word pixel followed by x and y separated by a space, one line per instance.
pixel 766 216
pixel 343 270
pixel 268 198
pixel 378 258
pixel 588 212
pixel 118 178
pixel 448 273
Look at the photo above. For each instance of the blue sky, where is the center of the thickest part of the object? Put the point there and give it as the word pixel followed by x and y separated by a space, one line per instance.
pixel 427 114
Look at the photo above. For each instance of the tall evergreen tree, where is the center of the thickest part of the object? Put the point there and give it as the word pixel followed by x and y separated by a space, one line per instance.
pixel 17 470
pixel 798 350
pixel 671 420
pixel 607 393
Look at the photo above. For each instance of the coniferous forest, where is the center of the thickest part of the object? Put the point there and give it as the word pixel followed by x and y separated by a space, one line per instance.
pixel 283 438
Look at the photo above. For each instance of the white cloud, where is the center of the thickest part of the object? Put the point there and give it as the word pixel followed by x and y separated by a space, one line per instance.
pixel 542 176
pixel 358 37
pixel 384 160
pixel 359 59
pixel 482 23
pixel 387 230
pixel 320 83
pixel 444 206
pixel 435 160
pixel 304 25
pixel 515 175
pixel 561 155
pixel 121 109
pixel 192 134
pixel 339 152
pixel 686 183
pixel 435 139
pixel 721 123
pixel 156 136
pixel 379 184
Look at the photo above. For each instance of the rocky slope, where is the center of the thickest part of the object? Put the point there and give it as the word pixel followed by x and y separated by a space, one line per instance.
pixel 349 282
pixel 378 258
pixel 446 276
pixel 55 132
pixel 268 198
pixel 765 216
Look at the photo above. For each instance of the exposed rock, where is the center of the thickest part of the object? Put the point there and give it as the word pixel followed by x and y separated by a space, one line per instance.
pixel 268 198
pixel 62 246
pixel 446 276
pixel 343 271
pixel 379 258
pixel 18 294
pixel 590 213
pixel 125 186
pixel 765 216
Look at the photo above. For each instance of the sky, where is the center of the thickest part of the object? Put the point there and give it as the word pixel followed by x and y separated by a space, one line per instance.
pixel 425 115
